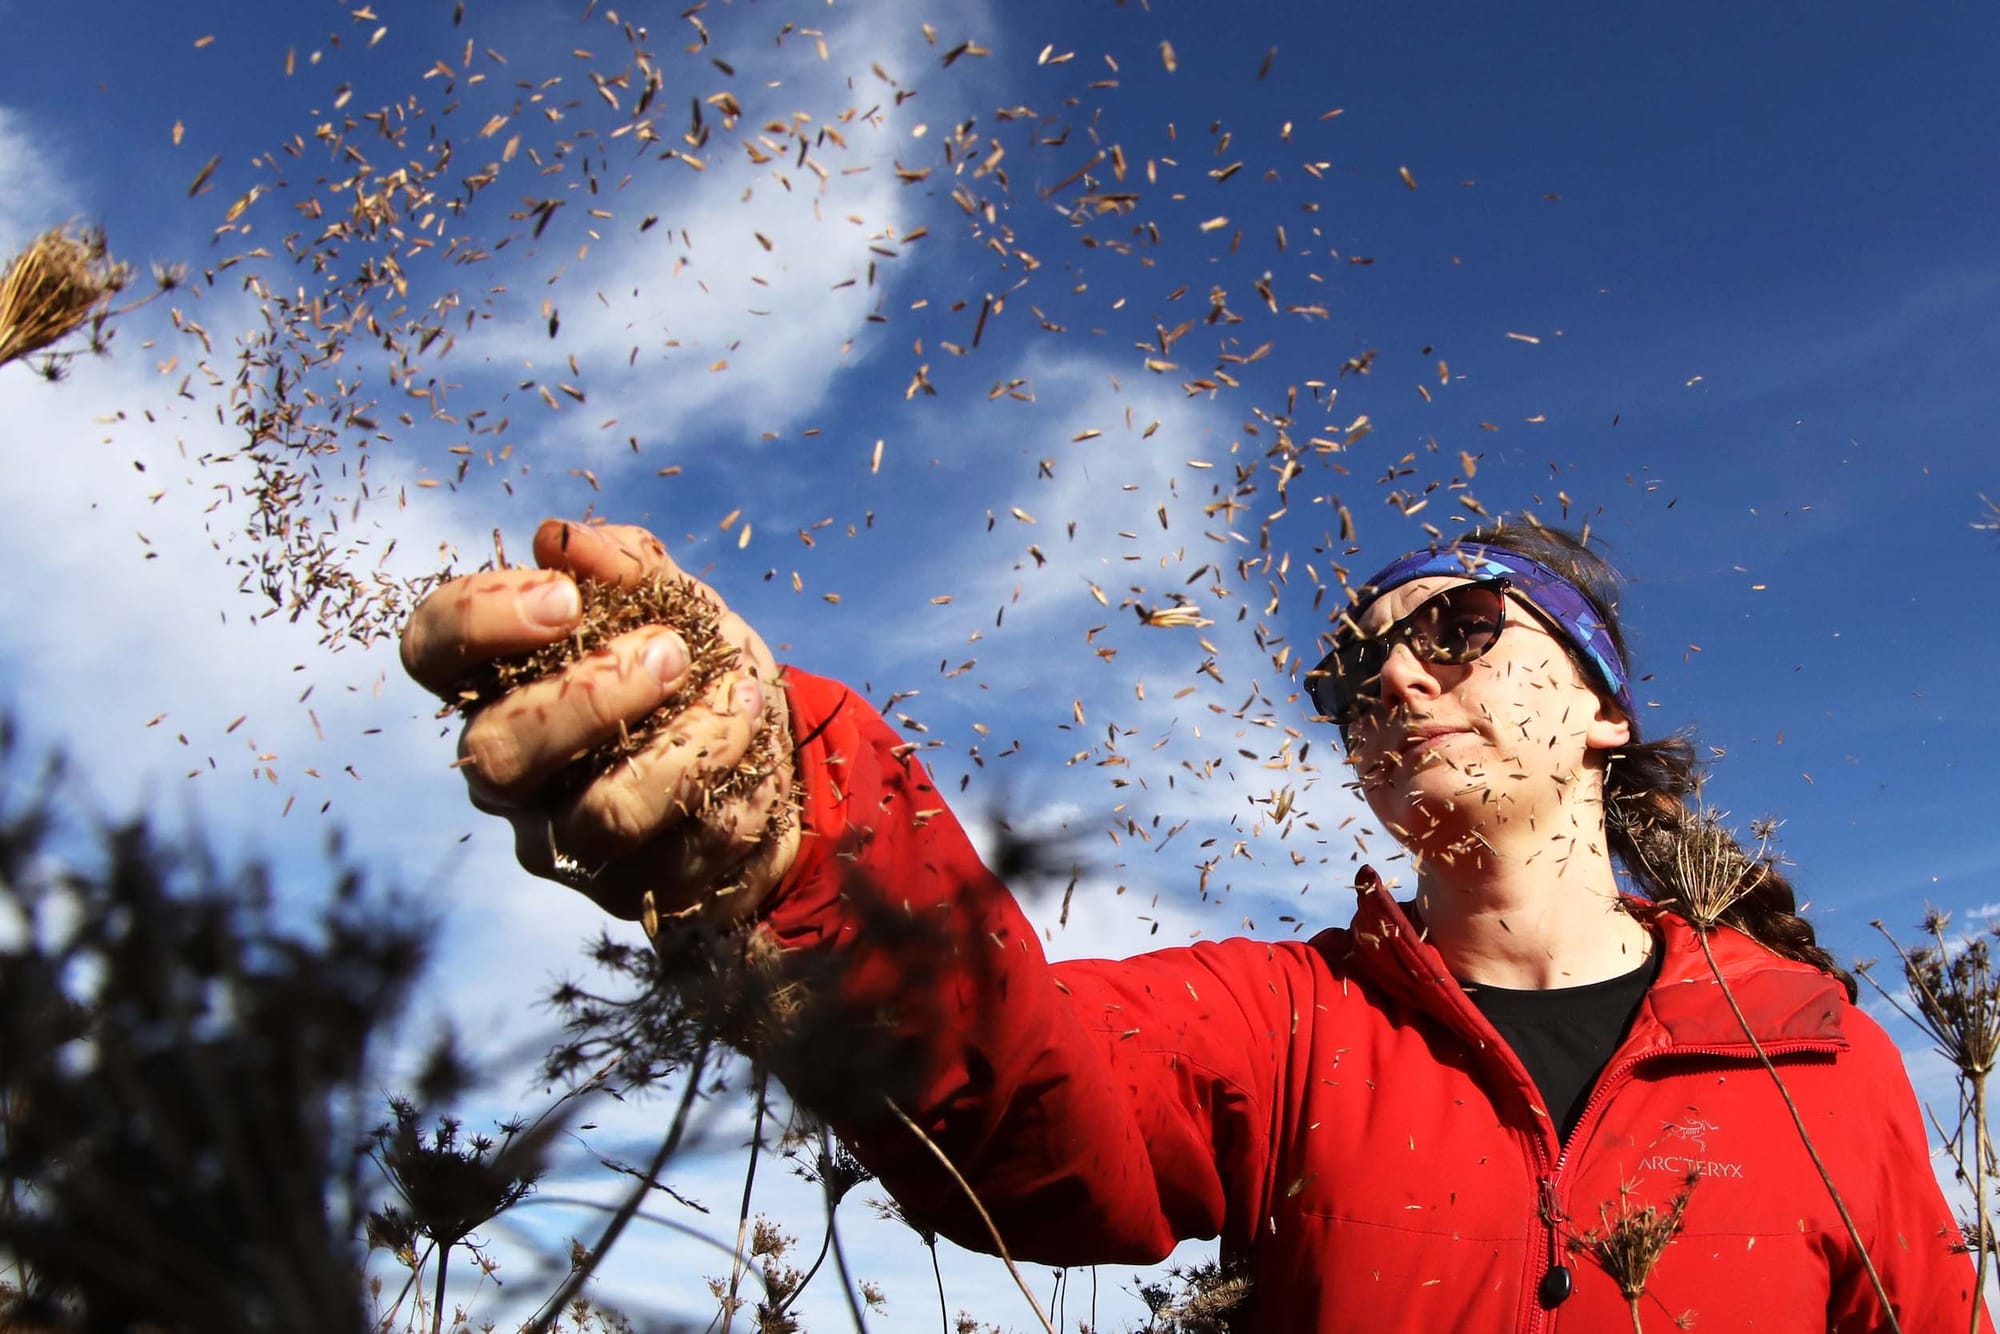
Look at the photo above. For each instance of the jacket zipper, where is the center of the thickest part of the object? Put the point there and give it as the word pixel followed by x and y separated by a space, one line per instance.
pixel 1549 1182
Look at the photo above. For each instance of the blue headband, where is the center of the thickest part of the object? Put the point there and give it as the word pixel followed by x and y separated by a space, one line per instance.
pixel 1561 601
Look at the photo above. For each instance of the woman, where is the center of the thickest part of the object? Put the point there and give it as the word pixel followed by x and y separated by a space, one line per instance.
pixel 1521 1100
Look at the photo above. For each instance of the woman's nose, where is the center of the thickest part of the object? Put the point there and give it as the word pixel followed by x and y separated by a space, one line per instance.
pixel 1407 680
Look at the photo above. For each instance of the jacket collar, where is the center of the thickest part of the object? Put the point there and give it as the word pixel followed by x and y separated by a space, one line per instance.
pixel 1783 1002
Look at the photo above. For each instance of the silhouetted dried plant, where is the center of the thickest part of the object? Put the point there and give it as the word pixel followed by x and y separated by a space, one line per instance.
pixel 187 1082
pixel 1953 995
pixel 836 1172
pixel 1201 1298
pixel 185 1078
pixel 446 1187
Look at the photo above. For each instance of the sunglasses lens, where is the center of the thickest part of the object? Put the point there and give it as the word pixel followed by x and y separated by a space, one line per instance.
pixel 1458 625
pixel 1354 671
pixel 1455 627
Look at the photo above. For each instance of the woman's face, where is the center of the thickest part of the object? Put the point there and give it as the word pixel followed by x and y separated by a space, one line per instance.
pixel 1498 743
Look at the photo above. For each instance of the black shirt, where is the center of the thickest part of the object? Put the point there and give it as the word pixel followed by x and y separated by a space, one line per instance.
pixel 1566 1035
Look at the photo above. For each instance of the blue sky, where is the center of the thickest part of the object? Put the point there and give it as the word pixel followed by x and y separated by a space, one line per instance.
pixel 1718 280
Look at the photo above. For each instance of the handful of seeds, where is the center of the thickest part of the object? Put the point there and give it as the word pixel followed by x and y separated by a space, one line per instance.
pixel 610 610
pixel 709 973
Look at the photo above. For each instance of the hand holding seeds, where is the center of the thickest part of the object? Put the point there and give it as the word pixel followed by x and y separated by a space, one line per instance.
pixel 626 723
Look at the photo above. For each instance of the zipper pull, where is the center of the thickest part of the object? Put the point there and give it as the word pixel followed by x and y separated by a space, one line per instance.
pixel 1557 1282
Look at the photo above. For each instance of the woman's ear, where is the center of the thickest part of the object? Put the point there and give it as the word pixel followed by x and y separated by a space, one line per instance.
pixel 1609 728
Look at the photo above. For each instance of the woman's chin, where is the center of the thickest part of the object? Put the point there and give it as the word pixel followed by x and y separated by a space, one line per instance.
pixel 1432 777
pixel 1431 807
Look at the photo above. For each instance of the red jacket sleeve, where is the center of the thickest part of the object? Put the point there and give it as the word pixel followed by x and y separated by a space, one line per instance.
pixel 1101 1111
pixel 1913 1240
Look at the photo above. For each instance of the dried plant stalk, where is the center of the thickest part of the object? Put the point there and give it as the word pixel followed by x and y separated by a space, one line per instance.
pixel 992 1229
pixel 1954 997
pixel 1805 1138
pixel 1982 1216
pixel 553 1308
pixel 55 285
pixel 1710 874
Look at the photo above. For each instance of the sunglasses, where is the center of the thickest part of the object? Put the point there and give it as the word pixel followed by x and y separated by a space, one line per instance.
pixel 1457 626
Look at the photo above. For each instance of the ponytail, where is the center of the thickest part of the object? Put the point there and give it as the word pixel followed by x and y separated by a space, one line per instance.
pixel 1656 834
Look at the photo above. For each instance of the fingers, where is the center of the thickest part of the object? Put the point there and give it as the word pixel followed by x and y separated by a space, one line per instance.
pixel 683 819
pixel 626 554
pixel 756 653
pixel 741 883
pixel 483 616
pixel 497 613
pixel 669 782
pixel 717 863
pixel 735 837
pixel 613 553
pixel 718 870
pixel 516 744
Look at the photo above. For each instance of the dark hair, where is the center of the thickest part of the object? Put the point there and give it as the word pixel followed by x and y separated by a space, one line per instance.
pixel 1648 820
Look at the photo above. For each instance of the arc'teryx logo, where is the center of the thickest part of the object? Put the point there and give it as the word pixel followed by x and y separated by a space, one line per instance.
pixel 1693 1130
pixel 1692 1133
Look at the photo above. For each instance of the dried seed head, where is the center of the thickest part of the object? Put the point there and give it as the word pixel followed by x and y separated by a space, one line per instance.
pixel 1954 992
pixel 834 1169
pixel 1711 870
pixel 1629 1244
pixel 54 286
pixel 1693 852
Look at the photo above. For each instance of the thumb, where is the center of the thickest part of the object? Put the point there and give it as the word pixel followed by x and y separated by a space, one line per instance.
pixel 621 554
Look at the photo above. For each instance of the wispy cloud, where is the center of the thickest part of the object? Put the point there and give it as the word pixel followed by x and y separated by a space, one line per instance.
pixel 34 191
pixel 135 648
pixel 736 312
pixel 1047 523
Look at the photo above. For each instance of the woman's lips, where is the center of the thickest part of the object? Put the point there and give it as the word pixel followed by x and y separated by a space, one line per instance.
pixel 1402 745
pixel 1420 739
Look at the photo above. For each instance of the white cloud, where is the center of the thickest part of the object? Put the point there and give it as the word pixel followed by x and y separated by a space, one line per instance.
pixel 34 192
pixel 1184 702
pixel 129 631
pixel 762 268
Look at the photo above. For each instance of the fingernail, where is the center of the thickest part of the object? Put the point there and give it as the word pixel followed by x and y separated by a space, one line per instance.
pixel 666 657
pixel 553 604
pixel 748 697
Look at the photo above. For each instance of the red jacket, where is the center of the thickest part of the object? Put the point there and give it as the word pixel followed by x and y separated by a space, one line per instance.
pixel 1339 1112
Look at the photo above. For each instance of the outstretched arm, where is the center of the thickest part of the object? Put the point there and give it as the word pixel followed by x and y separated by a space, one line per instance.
pixel 1101 1111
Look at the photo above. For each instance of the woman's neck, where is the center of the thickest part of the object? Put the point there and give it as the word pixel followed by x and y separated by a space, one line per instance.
pixel 1531 917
